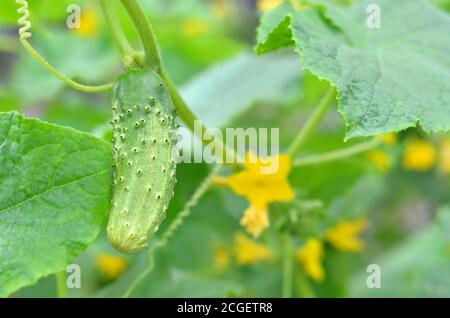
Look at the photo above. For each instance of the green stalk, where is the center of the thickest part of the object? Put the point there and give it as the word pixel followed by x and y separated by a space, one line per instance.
pixel 151 49
pixel 119 37
pixel 84 88
pixel 288 254
pixel 61 285
pixel 338 154
pixel 183 109
pixel 153 59
pixel 312 123
pixel 304 286
pixel 25 34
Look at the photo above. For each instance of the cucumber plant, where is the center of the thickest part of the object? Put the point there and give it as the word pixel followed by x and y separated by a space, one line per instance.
pixel 52 175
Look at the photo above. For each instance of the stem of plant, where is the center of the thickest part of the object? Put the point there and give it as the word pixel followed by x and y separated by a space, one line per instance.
pixel 120 39
pixel 312 122
pixel 288 258
pixel 84 88
pixel 151 49
pixel 338 154
pixel 304 286
pixel 154 60
pixel 61 285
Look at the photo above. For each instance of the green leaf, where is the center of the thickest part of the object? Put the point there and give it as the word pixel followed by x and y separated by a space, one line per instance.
pixel 445 4
pixel 320 181
pixel 416 268
pixel 80 112
pixel 359 199
pixel 55 190
pixel 228 89
pixel 389 78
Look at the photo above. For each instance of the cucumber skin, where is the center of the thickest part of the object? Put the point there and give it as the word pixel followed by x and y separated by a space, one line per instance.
pixel 144 169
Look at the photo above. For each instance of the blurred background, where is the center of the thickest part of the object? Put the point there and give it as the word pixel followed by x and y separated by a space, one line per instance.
pixel 207 47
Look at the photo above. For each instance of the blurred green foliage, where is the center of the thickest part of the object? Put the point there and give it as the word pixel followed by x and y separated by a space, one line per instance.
pixel 207 48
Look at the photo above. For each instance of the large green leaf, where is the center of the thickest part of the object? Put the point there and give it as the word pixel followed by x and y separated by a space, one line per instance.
pixel 55 190
pixel 389 78
pixel 228 89
pixel 417 267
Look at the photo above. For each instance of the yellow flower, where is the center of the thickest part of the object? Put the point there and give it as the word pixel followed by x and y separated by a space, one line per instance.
pixel 195 27
pixel 260 188
pixel 255 220
pixel 444 160
pixel 420 155
pixel 266 5
pixel 297 5
pixel 263 188
pixel 344 235
pixel 222 8
pixel 222 257
pixel 248 251
pixel 88 23
pixel 311 256
pixel 111 266
pixel 380 159
pixel 389 139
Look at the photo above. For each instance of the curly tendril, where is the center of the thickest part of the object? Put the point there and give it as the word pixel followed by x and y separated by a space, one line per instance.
pixel 25 34
pixel 24 22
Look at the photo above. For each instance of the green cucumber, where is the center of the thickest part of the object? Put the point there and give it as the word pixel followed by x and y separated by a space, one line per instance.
pixel 144 169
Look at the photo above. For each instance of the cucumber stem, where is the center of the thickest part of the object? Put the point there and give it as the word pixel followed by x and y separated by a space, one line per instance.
pixel 61 285
pixel 154 60
pixel 312 123
pixel 119 37
pixel 151 48
pixel 288 264
pixel 338 154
